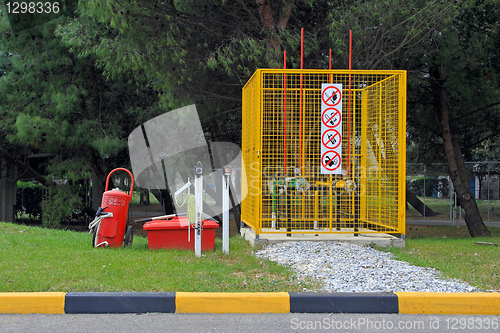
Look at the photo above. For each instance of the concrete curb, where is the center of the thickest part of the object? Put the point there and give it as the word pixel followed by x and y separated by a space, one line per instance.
pixel 343 303
pixel 192 302
pixel 280 302
pixel 32 302
pixel 121 302
pixel 449 303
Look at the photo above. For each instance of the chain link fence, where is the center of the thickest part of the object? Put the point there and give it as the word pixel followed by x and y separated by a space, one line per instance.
pixel 431 183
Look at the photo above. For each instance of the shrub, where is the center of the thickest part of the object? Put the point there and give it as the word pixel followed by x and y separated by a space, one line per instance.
pixel 432 186
pixel 29 198
pixel 62 202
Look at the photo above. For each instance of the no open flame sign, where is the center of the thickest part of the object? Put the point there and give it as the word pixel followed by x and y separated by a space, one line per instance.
pixel 331 128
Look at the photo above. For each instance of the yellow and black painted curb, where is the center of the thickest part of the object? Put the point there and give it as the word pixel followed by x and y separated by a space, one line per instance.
pixel 273 302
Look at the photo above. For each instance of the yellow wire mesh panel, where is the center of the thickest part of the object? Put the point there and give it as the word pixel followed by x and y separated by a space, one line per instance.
pixel 251 182
pixel 285 191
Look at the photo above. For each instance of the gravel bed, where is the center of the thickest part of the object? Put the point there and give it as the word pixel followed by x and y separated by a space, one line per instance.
pixel 346 267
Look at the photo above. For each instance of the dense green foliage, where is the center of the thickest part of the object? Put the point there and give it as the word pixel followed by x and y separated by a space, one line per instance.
pixel 465 50
pixel 75 87
pixel 54 102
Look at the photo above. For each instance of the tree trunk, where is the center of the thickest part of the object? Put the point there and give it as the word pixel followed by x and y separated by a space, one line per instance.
pixel 144 197
pixel 422 208
pixel 97 191
pixel 8 190
pixel 480 180
pixel 272 23
pixel 456 164
pixel 165 199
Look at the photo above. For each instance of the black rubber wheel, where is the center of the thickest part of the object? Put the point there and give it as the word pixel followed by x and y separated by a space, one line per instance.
pixel 129 236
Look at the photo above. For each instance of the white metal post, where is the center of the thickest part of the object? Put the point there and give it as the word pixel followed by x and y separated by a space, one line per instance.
pixel 479 196
pixel 198 193
pixel 225 210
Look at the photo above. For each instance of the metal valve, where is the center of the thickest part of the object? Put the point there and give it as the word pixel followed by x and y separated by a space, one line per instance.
pixel 350 186
pixel 301 185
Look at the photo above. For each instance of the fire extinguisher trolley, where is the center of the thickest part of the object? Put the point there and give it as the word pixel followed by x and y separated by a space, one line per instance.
pixel 111 218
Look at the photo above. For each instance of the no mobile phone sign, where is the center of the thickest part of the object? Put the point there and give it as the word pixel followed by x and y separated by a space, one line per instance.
pixel 331 139
pixel 331 128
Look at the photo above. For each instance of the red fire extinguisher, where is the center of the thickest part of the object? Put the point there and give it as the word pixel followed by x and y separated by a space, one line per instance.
pixel 111 218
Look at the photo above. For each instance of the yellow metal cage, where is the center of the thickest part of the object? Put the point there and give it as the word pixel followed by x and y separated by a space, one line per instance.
pixel 284 190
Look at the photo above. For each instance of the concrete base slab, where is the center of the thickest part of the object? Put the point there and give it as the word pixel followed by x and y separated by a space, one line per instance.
pixel 366 239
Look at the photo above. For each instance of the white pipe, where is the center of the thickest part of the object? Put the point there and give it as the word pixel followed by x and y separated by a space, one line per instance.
pixel 225 213
pixel 186 186
pixel 97 225
pixel 198 193
pixel 189 226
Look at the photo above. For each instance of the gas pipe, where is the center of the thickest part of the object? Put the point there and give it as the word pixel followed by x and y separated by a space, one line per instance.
pixel 111 218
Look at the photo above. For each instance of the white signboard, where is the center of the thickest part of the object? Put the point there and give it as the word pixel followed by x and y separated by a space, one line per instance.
pixel 331 128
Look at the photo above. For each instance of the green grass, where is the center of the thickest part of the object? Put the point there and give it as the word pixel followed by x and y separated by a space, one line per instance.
pixel 39 259
pixel 442 206
pixel 449 250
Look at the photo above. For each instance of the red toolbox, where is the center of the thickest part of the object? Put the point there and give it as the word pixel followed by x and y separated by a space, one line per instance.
pixel 167 234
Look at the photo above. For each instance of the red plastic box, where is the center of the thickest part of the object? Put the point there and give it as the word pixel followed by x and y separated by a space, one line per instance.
pixel 167 234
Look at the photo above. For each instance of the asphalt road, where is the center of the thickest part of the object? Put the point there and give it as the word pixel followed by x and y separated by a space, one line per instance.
pixel 243 323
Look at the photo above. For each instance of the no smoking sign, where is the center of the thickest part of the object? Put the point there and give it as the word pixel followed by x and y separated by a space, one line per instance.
pixel 331 128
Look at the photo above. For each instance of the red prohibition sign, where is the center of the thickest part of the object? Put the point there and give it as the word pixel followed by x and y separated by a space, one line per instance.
pixel 331 139
pixel 331 160
pixel 331 95
pixel 332 118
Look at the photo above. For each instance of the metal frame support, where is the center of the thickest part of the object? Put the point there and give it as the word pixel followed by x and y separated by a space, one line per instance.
pixel 225 209
pixel 198 191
